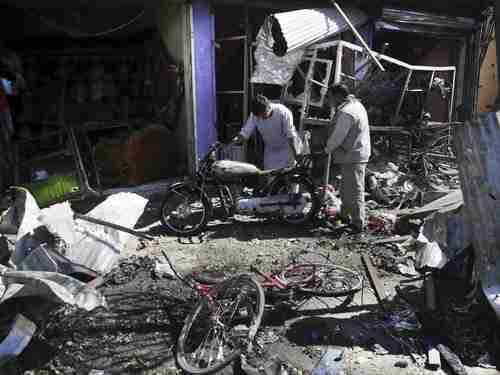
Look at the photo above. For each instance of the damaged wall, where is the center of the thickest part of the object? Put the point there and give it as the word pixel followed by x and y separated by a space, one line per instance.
pixel 203 76
pixel 188 33
pixel 173 22
pixel 478 153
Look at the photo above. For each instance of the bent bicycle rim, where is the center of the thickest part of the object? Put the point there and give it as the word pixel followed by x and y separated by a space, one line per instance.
pixel 221 326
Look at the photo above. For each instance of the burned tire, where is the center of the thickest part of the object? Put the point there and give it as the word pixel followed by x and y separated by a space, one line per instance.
pixel 185 210
pixel 221 326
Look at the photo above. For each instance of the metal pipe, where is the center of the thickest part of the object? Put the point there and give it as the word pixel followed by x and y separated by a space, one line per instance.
pixel 427 96
pixel 452 104
pixel 112 225
pixel 80 167
pixel 327 172
pixel 355 47
pixel 239 37
pixel 338 63
pixel 358 35
pixel 382 51
pixel 403 94
pixel 307 93
pixel 318 83
pixel 230 92
pixel 75 150
pixel 452 98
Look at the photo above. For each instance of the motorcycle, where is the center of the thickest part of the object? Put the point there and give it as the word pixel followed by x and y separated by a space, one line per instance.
pixel 239 188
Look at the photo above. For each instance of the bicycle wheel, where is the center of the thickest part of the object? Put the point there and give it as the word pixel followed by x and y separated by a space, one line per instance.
pixel 307 202
pixel 216 332
pixel 185 210
pixel 323 279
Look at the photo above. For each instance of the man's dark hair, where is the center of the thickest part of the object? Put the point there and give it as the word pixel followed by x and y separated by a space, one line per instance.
pixel 339 89
pixel 260 105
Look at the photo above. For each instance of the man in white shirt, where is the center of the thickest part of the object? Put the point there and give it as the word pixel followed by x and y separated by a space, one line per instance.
pixel 275 124
pixel 349 144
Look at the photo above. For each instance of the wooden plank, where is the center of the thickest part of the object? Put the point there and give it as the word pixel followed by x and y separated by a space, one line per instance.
pixel 375 282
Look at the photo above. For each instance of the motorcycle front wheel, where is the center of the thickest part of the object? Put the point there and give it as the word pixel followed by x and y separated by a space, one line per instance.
pixel 185 210
pixel 305 192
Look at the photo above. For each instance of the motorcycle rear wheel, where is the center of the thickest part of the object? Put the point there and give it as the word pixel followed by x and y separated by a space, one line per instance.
pixel 185 211
pixel 300 186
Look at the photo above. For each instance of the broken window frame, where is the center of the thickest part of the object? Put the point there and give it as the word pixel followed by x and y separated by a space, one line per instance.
pixel 308 81
pixel 338 75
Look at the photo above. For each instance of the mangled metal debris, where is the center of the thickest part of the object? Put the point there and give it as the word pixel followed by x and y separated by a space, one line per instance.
pixel 452 201
pixel 85 244
pixel 51 286
pixel 53 247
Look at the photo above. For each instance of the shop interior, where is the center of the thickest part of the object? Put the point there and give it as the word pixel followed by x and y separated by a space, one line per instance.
pixel 111 81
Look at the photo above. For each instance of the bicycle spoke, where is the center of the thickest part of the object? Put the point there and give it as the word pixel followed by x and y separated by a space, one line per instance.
pixel 197 356
pixel 216 323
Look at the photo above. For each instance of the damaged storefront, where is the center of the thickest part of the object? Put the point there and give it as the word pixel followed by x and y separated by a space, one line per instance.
pixel 101 99
pixel 122 115
pixel 414 96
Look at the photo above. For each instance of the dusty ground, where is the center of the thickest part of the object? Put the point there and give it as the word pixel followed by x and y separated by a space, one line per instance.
pixel 137 333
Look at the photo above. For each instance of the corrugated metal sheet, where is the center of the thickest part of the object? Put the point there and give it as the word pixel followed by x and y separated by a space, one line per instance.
pixel 478 153
pixel 417 18
pixel 425 23
pixel 301 28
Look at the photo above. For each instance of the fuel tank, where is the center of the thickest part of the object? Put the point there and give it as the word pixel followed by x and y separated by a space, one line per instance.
pixel 229 170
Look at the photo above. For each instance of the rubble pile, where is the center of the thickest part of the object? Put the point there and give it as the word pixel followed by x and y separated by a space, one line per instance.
pixel 126 318
pixel 469 330
pixel 135 333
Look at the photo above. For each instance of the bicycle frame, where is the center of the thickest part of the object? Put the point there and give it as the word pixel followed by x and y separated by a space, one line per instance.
pixel 271 280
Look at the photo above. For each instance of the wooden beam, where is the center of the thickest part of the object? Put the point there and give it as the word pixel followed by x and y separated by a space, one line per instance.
pixel 375 282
